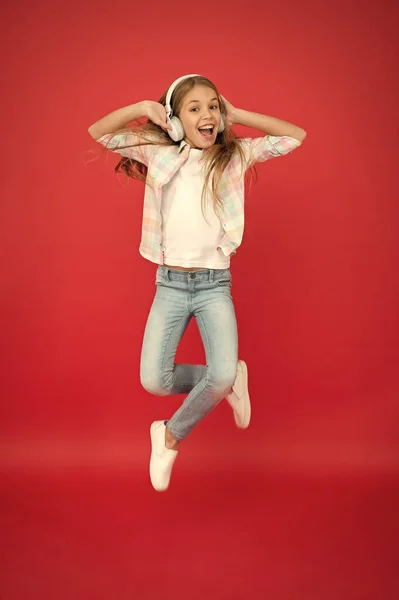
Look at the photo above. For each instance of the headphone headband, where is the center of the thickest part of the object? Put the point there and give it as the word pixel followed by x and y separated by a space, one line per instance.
pixel 171 90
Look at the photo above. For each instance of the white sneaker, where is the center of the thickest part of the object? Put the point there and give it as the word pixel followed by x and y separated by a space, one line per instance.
pixel 162 458
pixel 239 398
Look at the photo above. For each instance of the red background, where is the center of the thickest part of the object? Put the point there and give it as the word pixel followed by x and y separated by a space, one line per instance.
pixel 301 505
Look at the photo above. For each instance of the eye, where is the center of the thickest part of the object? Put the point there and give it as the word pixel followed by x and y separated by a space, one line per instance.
pixel 196 108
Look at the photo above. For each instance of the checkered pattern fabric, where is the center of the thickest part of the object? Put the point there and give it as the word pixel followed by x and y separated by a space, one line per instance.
pixel 164 161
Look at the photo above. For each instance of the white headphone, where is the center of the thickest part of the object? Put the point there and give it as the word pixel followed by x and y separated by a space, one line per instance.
pixel 177 131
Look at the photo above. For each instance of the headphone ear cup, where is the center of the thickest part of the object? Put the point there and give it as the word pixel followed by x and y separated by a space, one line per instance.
pixel 177 131
pixel 221 126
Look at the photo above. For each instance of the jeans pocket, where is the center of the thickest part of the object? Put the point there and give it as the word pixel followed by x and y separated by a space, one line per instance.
pixel 223 277
pixel 224 282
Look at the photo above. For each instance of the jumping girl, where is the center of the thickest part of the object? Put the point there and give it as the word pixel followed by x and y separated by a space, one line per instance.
pixel 194 168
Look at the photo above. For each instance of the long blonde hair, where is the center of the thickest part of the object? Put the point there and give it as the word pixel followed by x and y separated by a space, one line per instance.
pixel 216 157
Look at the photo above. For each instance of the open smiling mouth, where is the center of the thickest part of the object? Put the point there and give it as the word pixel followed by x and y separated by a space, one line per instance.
pixel 206 131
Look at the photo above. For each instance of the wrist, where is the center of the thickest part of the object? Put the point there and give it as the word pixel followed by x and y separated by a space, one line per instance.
pixel 142 107
pixel 238 116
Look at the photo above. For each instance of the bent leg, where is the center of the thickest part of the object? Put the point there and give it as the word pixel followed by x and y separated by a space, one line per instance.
pixel 167 321
pixel 216 320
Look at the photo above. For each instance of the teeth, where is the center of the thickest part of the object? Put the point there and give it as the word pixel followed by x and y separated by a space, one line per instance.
pixel 206 127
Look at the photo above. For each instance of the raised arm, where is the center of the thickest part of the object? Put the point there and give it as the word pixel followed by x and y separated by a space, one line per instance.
pixel 269 125
pixel 118 119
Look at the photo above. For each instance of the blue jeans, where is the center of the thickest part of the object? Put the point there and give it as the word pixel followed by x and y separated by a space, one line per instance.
pixel 180 295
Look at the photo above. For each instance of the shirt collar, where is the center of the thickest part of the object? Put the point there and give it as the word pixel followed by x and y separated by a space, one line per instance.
pixel 181 145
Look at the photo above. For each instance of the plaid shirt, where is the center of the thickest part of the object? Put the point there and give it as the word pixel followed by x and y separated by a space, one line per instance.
pixel 164 161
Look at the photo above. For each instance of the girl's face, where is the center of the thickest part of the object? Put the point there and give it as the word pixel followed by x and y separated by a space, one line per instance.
pixel 200 109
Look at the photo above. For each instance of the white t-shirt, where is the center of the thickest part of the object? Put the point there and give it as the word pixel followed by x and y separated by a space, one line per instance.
pixel 189 238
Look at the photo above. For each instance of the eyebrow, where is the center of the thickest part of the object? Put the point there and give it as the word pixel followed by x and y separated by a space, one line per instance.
pixel 212 100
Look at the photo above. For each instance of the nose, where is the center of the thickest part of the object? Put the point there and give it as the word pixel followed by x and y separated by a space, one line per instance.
pixel 206 112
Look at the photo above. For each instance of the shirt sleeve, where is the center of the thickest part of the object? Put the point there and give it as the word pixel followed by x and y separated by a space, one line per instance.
pixel 264 148
pixel 134 150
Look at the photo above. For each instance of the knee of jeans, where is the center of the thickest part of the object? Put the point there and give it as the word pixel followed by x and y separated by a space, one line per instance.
pixel 153 384
pixel 222 382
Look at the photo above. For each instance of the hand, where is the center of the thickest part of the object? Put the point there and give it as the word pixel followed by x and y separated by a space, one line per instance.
pixel 229 116
pixel 156 112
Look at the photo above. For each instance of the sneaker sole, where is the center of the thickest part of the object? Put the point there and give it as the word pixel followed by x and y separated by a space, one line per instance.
pixel 152 477
pixel 247 402
pixel 159 487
